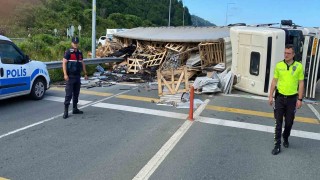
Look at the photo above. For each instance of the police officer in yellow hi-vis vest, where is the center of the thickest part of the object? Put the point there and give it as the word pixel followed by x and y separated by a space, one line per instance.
pixel 73 65
pixel 288 78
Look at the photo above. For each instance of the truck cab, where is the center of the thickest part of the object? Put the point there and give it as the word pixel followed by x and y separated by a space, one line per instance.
pixel 19 75
pixel 256 50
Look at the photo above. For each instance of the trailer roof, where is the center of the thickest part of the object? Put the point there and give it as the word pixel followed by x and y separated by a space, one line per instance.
pixel 176 34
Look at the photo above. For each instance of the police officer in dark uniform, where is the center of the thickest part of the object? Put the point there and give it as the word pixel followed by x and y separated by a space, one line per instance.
pixel 289 78
pixel 72 66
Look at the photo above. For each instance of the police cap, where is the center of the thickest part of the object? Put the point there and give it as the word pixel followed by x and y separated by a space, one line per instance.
pixel 75 40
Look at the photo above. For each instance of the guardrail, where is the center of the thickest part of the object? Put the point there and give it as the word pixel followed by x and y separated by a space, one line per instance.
pixel 58 64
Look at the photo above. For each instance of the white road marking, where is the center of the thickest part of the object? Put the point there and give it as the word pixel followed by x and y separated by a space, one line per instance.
pixel 128 84
pixel 158 158
pixel 57 116
pixel 314 111
pixel 29 126
pixel 200 109
pixel 141 110
pixel 256 127
pixel 61 99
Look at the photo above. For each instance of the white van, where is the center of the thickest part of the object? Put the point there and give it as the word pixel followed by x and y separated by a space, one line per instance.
pixel 19 75
pixel 102 41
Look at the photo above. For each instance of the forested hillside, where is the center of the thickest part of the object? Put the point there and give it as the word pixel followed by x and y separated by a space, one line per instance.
pixel 7 7
pixel 198 21
pixel 35 21
pixel 42 16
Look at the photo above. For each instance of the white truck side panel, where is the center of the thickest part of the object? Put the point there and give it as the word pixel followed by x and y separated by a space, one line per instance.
pixel 246 40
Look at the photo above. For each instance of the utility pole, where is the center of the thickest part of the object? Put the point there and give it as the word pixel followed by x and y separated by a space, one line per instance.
pixel 169 13
pixel 93 44
pixel 183 13
pixel 227 12
pixel 183 16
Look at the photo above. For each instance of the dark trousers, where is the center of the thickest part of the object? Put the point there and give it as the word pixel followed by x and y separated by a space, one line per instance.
pixel 72 91
pixel 284 107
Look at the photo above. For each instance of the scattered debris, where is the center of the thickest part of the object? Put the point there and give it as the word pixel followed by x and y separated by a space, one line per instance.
pixel 179 100
pixel 174 64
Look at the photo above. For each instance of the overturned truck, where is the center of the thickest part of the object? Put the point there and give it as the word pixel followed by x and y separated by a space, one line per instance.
pixel 177 53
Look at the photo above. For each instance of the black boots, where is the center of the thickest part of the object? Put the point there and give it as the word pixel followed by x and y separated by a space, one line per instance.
pixel 65 114
pixel 285 142
pixel 276 150
pixel 76 110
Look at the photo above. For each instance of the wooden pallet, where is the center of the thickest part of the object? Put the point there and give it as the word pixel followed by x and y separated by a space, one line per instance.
pixel 134 65
pixel 211 53
pixel 104 50
pixel 156 60
pixel 151 48
pixel 177 47
pixel 173 80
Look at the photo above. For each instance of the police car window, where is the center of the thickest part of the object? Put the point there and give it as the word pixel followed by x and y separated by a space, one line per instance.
pixel 9 54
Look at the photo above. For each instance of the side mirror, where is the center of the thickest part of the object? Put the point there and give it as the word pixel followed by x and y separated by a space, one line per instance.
pixel 27 58
pixel 286 22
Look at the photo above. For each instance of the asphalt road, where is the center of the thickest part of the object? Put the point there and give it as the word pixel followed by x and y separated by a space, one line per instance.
pixel 123 135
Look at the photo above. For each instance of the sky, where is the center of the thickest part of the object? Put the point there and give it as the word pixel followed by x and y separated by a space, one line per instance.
pixel 221 12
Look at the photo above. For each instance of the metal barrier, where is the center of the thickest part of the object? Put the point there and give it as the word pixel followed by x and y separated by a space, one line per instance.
pixel 58 64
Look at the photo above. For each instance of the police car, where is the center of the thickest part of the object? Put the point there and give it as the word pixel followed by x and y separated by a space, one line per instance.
pixel 19 75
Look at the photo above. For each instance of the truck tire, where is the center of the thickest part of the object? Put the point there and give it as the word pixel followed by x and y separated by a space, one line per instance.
pixel 38 89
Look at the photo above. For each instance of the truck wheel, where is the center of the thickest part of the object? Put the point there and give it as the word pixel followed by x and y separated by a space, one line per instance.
pixel 38 89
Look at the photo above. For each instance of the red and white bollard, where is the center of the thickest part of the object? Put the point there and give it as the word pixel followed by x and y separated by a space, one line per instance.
pixel 191 103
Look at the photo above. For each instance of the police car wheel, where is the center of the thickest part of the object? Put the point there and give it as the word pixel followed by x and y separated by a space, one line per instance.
pixel 38 89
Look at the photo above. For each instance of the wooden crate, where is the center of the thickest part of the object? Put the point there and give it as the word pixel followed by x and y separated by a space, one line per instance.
pixel 173 80
pixel 211 53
